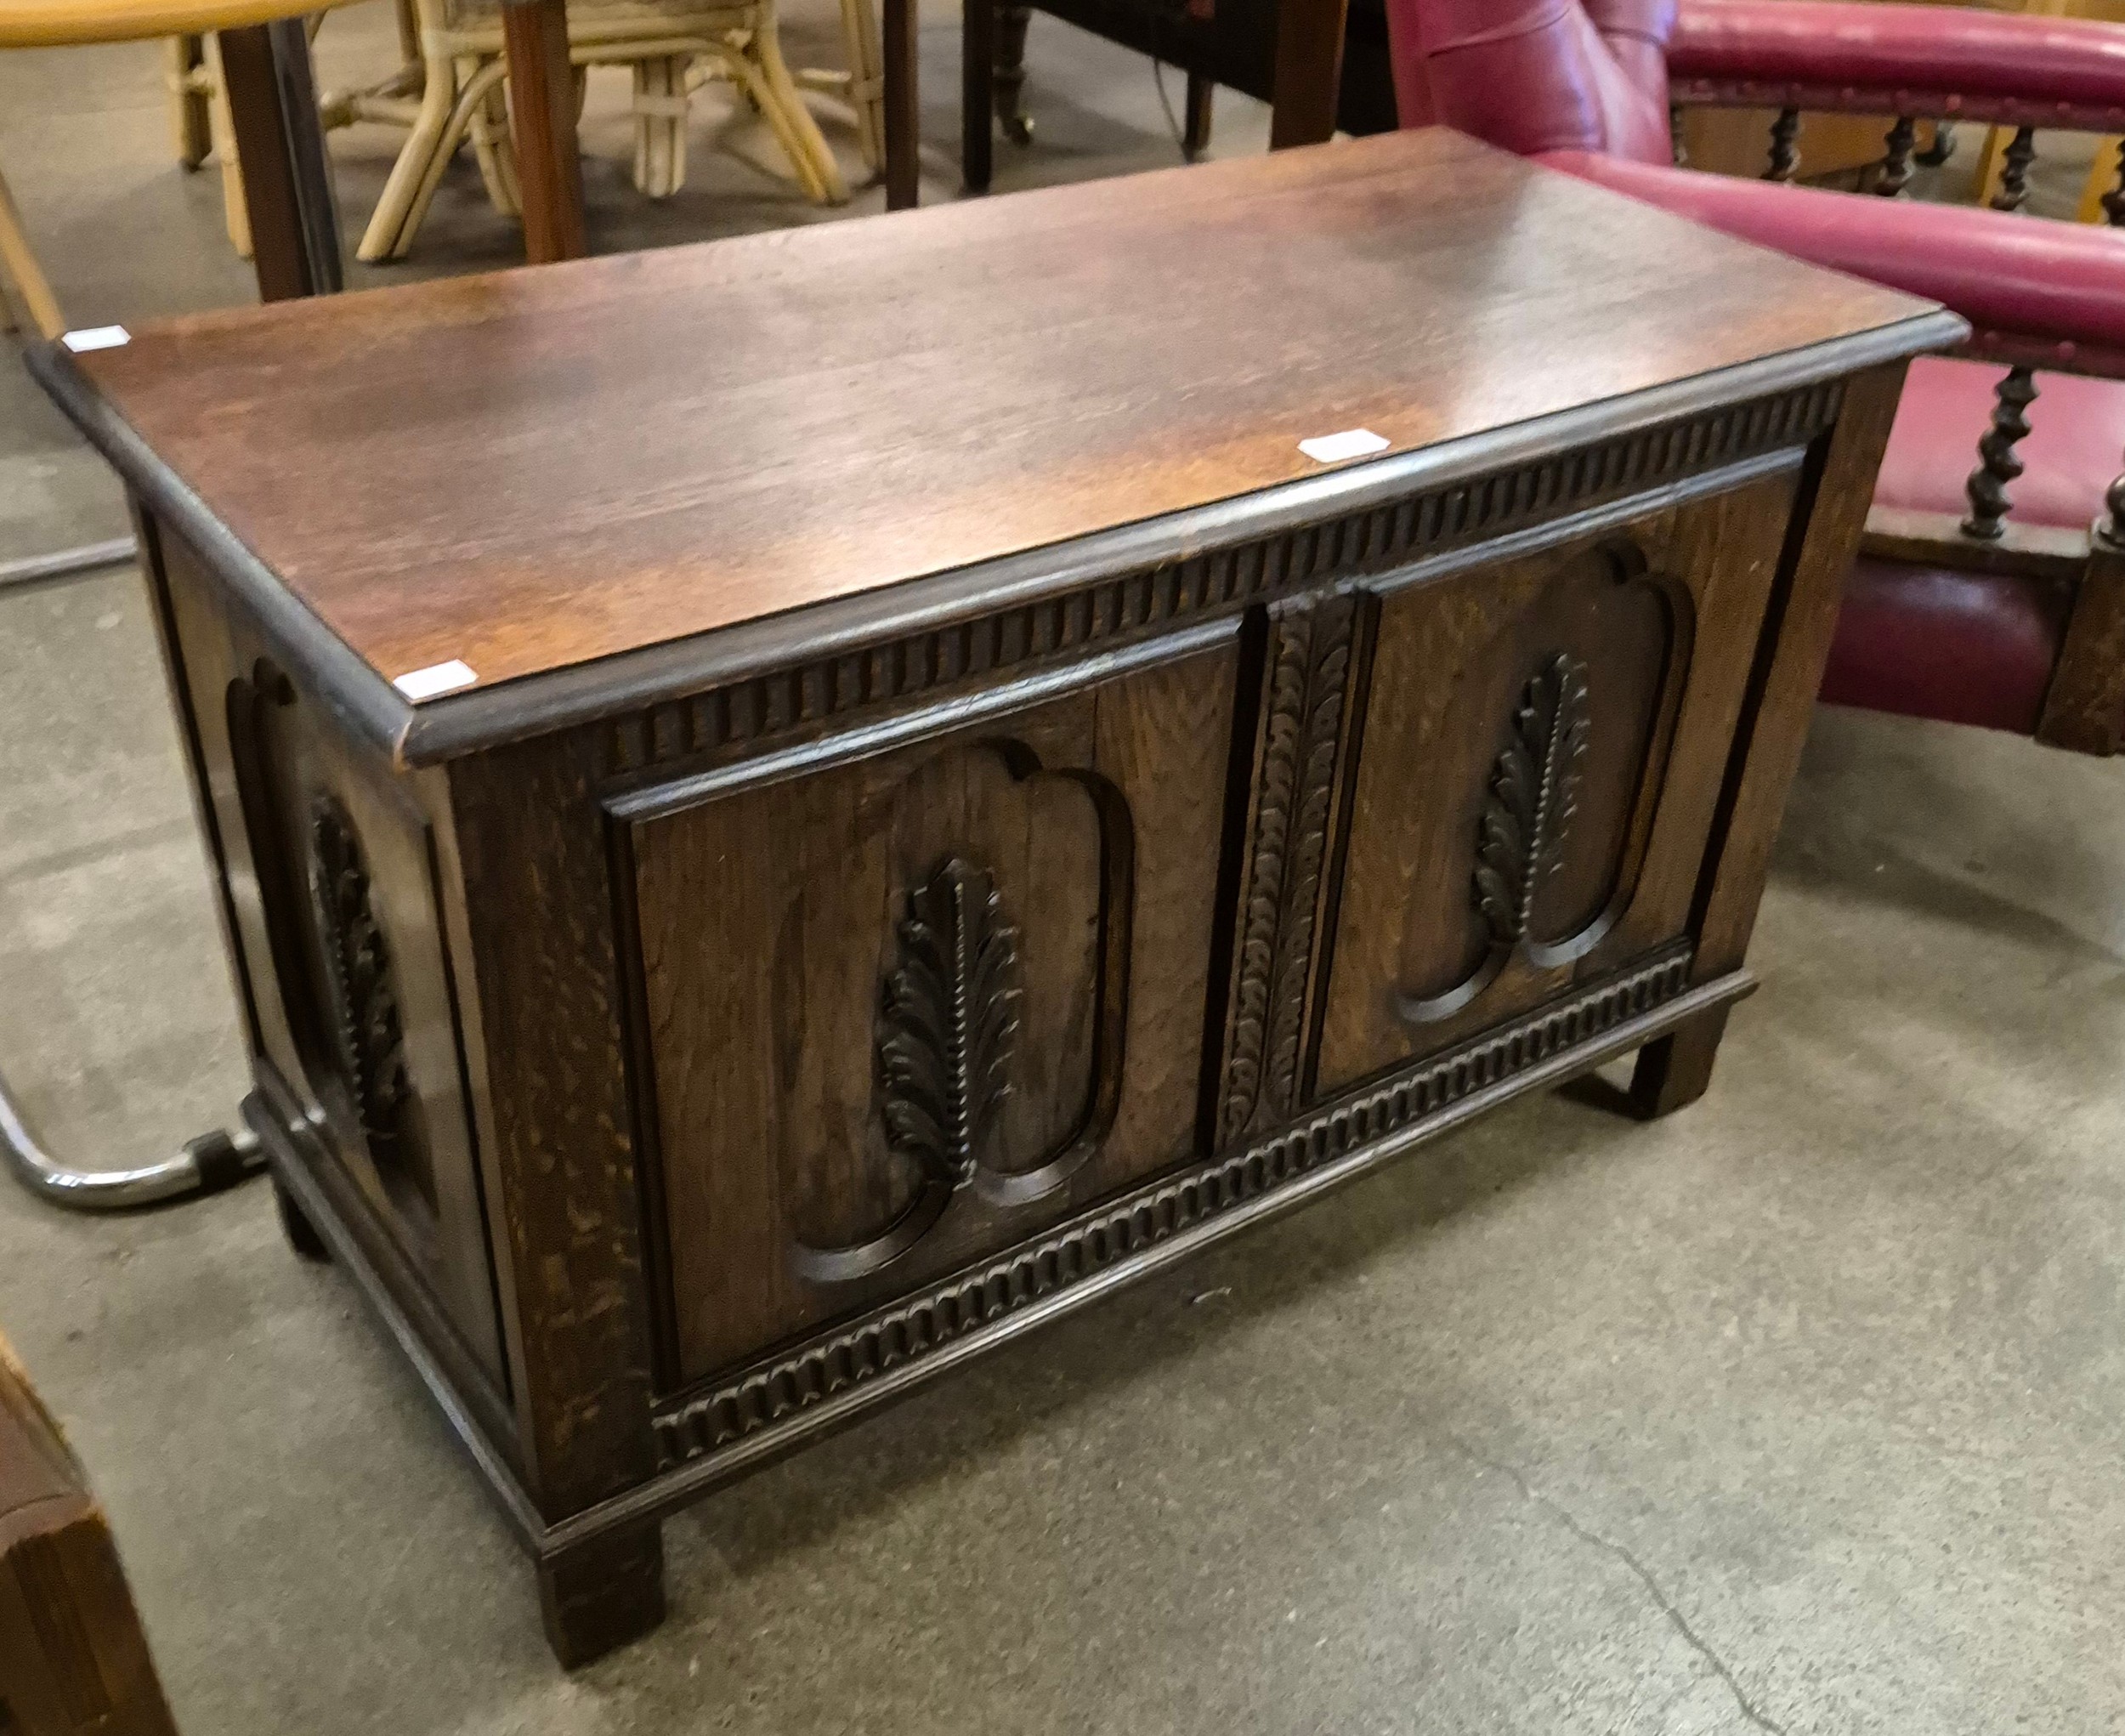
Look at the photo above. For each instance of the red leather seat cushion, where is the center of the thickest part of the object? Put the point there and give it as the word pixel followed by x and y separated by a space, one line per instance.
pixel 1969 51
pixel 2076 443
pixel 1930 641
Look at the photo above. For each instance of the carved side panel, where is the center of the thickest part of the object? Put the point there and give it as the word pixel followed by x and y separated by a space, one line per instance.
pixel 1543 746
pixel 895 1010
pixel 332 894
pixel 1301 735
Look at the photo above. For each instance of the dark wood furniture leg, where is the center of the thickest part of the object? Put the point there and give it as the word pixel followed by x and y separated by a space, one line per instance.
pixel 287 182
pixel 542 116
pixel 977 94
pixel 73 1661
pixel 600 1595
pixel 1799 624
pixel 1012 19
pixel 1195 134
pixel 903 108
pixel 2084 710
pixel 1674 1072
pixel 1309 71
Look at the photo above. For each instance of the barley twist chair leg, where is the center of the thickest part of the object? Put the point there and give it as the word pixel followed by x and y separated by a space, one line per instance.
pixel 2014 176
pixel 19 269
pixel 1784 162
pixel 1998 463
pixel 1896 152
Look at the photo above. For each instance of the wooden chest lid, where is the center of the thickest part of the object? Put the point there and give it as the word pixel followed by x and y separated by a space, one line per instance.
pixel 539 472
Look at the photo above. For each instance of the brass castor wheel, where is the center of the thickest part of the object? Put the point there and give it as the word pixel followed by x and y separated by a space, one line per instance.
pixel 302 1235
pixel 1019 128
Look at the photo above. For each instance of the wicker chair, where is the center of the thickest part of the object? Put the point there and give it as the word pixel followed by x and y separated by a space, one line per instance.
pixel 455 92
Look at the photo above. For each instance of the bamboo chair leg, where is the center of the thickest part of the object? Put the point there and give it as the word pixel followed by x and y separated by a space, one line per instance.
pixel 866 79
pixel 391 225
pixel 493 118
pixel 235 212
pixel 455 124
pixel 18 267
pixel 753 84
pixel 492 144
pixel 659 107
pixel 191 123
pixel 780 102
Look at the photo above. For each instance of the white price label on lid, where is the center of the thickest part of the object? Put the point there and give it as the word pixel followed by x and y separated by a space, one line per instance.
pixel 1351 443
pixel 96 338
pixel 437 677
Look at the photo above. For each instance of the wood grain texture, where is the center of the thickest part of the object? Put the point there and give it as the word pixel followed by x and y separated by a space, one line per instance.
pixel 1309 75
pixel 1776 704
pixel 1800 620
pixel 73 1661
pixel 530 843
pixel 529 470
pixel 771 917
pixel 2084 708
pixel 1660 617
pixel 272 186
pixel 542 119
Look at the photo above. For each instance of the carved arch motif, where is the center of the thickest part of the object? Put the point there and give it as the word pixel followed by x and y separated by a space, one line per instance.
pixel 1526 836
pixel 947 1044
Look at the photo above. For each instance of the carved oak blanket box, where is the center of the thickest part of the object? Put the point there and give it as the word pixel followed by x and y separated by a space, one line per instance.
pixel 787 810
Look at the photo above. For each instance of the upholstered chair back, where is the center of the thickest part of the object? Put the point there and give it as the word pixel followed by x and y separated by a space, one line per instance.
pixel 1537 75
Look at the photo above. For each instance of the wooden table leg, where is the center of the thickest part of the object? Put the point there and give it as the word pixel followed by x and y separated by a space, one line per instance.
pixel 977 93
pixel 1309 71
pixel 281 147
pixel 903 111
pixel 542 115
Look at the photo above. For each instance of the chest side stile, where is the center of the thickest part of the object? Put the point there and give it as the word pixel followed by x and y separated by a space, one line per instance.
pixel 539 900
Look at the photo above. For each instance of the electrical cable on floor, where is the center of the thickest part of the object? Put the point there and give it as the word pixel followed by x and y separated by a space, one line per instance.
pixel 67 563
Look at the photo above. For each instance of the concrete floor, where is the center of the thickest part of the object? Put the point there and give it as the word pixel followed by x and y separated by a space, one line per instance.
pixel 1800 1412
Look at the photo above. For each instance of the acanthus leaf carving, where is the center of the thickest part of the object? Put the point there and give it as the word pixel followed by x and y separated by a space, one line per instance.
pixel 365 1005
pixel 949 1022
pixel 1534 795
pixel 1302 738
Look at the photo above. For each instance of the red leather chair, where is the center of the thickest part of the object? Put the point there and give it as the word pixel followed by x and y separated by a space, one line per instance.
pixel 1969 603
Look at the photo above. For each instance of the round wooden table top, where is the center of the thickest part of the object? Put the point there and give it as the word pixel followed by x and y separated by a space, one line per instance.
pixel 52 24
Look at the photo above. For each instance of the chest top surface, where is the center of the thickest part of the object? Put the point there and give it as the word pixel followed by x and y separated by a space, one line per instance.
pixel 535 469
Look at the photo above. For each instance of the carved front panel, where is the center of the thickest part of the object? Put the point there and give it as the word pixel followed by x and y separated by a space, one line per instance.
pixel 898 1010
pixel 1541 747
